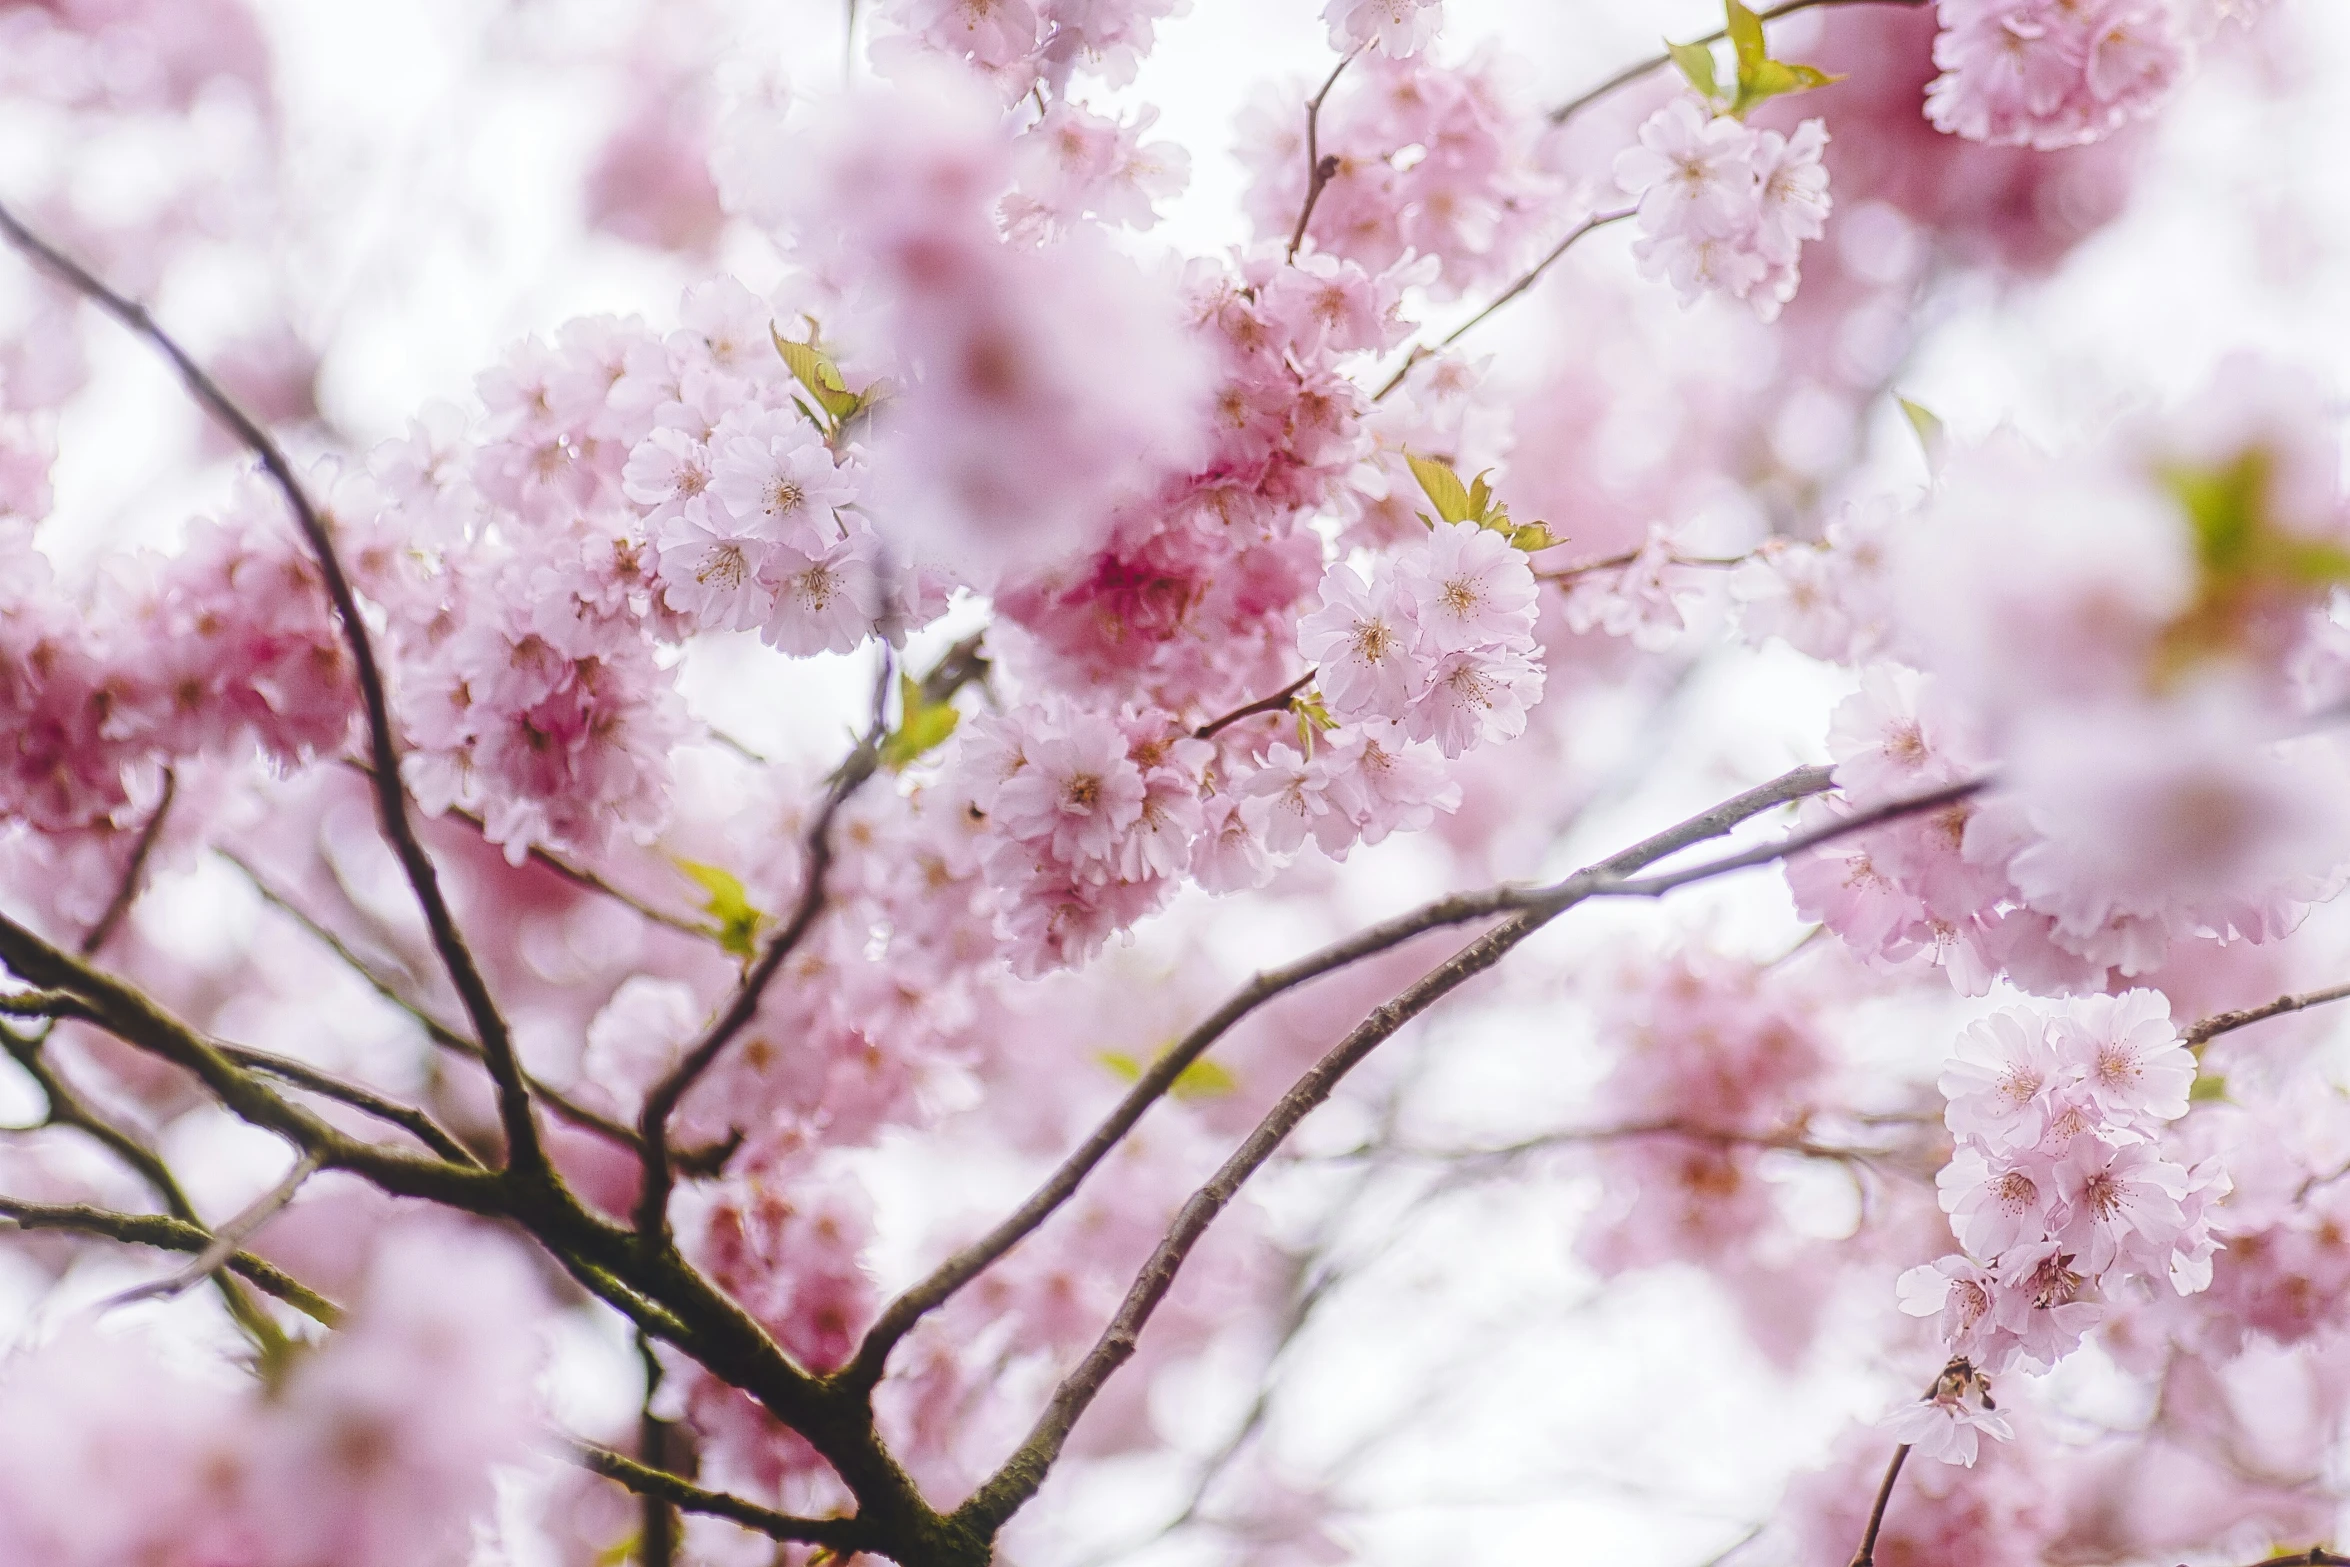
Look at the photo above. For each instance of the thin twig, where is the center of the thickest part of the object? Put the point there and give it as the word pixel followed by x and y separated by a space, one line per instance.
pixel 2197 1035
pixel 1570 1137
pixel 489 1026
pixel 411 1119
pixel 1866 1556
pixel 1525 281
pixel 835 1534
pixel 1614 562
pixel 1632 73
pixel 662 1101
pixel 1770 853
pixel 65 1107
pixel 165 1233
pixel 226 1240
pixel 1319 170
pixel 865 1367
pixel 1017 1480
pixel 441 1034
pixel 1264 704
pixel 126 892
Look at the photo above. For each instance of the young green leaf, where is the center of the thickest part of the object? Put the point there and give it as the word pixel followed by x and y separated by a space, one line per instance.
pixel 1759 76
pixel 1776 78
pixel 1929 427
pixel 733 920
pixel 1696 62
pixel 1200 1080
pixel 814 369
pixel 1443 487
pixel 1746 36
pixel 923 725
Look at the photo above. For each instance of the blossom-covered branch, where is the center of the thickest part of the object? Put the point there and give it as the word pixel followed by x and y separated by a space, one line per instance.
pixel 522 1138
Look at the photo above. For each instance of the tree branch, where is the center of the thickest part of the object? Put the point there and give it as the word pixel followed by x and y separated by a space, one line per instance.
pixel 514 1109
pixel 1319 170
pixel 1632 73
pixel 1525 281
pixel 226 1240
pixel 1770 853
pixel 864 1369
pixel 127 892
pixel 1017 1480
pixel 1866 1556
pixel 409 1118
pixel 2197 1035
pixel 843 1535
pixel 169 1234
pixel 441 1035
pixel 662 1101
pixel 1264 704
pixel 65 1107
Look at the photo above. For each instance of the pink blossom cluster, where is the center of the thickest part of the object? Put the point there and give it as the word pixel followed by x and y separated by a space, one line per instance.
pixel 378 1449
pixel 2059 1192
pixel 1009 434
pixel 1714 1058
pixel 1724 207
pixel 1394 28
pixel 1020 46
pixel 2142 688
pixel 1076 164
pixel 1092 819
pixel 1190 601
pixel 1431 161
pixel 250 656
pixel 2050 73
pixel 1439 641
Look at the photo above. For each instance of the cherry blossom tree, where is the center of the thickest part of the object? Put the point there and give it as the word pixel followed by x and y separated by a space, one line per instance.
pixel 472 1101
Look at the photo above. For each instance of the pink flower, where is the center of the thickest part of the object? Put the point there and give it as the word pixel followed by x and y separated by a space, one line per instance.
pixel 1948 1423
pixel 1962 1294
pixel 1999 1083
pixel 1078 792
pixel 770 469
pixel 1693 171
pixel 1394 27
pixel 2123 1204
pixel 2129 1056
pixel 1473 697
pixel 1296 793
pixel 1363 644
pixel 1471 588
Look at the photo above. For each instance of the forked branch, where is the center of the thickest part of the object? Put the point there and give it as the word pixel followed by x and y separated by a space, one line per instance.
pixel 399 829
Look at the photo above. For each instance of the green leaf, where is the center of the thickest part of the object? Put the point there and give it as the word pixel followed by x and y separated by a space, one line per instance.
pixel 1443 487
pixel 1929 427
pixel 1746 36
pixel 733 920
pixel 1696 62
pixel 1313 718
pixel 1203 1079
pixel 814 369
pixel 1759 76
pixel 2209 1088
pixel 1776 78
pixel 923 725
pixel 1532 536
